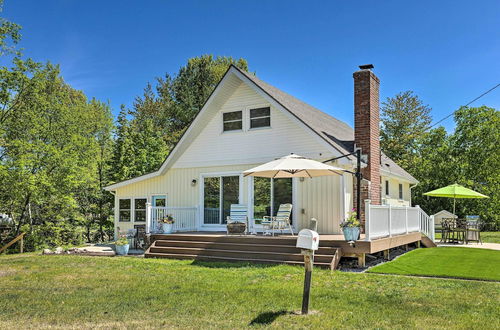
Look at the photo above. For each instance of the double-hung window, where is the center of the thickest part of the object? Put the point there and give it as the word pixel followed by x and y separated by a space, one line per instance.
pixel 387 187
pixel 124 210
pixel 260 117
pixel 140 209
pixel 400 191
pixel 232 121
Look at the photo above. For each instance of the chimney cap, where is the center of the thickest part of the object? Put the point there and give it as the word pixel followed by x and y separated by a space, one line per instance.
pixel 366 66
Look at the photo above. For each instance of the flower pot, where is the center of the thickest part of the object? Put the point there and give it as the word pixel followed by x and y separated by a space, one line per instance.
pixel 236 228
pixel 167 228
pixel 122 250
pixel 351 233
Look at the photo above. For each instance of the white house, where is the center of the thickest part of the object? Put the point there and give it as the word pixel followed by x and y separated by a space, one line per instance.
pixel 246 122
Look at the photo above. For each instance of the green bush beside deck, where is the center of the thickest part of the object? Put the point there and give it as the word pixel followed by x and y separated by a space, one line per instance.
pixel 82 292
pixel 460 262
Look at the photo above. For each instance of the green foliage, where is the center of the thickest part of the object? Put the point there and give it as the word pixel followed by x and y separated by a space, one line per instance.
pixel 146 133
pixel 52 235
pixel 351 221
pixel 54 151
pixel 404 120
pixel 9 35
pixel 469 156
pixel 122 241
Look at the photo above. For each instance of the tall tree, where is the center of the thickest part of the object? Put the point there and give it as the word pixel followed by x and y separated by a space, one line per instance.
pixel 405 119
pixel 476 147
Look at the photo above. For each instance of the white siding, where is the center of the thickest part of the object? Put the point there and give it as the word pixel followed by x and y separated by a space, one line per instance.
pixel 212 147
pixel 320 198
pixel 393 197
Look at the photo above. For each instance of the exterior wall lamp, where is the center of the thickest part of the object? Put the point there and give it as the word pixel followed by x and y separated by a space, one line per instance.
pixel 193 182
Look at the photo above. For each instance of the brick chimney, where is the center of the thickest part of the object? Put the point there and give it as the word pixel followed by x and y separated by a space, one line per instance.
pixel 367 131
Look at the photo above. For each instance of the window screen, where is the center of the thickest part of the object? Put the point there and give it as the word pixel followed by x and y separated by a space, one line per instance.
pixel 232 121
pixel 260 117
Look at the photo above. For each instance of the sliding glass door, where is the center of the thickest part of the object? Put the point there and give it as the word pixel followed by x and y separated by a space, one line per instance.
pixel 269 194
pixel 219 192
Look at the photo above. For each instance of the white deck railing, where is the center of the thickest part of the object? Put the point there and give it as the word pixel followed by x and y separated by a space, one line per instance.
pixel 387 221
pixel 184 218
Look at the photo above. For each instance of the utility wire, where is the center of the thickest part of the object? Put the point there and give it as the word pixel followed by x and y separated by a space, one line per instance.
pixel 451 114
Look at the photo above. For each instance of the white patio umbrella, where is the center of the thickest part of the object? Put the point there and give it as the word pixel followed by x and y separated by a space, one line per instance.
pixel 293 166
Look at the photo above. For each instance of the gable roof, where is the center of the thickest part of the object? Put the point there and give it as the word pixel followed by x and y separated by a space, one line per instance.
pixel 336 133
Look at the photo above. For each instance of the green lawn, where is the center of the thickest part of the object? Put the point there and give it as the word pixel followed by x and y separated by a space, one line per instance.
pixel 82 292
pixel 458 262
pixel 486 236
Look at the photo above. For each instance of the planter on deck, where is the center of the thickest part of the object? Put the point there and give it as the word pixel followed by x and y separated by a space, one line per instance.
pixel 236 228
pixel 351 233
pixel 167 228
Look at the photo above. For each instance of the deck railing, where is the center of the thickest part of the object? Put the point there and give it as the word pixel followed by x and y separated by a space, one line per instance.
pixel 387 221
pixel 184 218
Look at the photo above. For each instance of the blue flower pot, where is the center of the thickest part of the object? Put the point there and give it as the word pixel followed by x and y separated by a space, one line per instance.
pixel 122 250
pixel 351 233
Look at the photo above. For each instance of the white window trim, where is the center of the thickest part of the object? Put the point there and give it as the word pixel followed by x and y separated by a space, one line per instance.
pixel 158 195
pixel 120 209
pixel 201 224
pixel 134 208
pixel 295 208
pixel 242 129
pixel 250 128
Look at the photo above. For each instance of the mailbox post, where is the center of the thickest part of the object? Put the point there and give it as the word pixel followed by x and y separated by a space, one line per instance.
pixel 308 242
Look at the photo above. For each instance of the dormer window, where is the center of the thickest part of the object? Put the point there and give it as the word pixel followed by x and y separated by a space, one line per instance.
pixel 232 121
pixel 260 117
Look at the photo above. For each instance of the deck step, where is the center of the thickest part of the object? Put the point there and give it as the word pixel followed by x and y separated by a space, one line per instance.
pixel 233 253
pixel 237 248
pixel 427 242
pixel 231 259
pixel 240 246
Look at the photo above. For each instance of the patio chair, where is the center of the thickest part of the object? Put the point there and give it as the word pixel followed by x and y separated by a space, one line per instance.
pixel 473 233
pixel 237 221
pixel 281 221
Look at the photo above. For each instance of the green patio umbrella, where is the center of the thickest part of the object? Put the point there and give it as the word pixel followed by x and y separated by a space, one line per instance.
pixel 455 191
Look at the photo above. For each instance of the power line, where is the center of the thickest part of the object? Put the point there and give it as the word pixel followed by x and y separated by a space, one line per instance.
pixel 451 114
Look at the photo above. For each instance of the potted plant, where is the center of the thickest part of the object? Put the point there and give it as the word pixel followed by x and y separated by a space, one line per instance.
pixel 167 224
pixel 350 226
pixel 122 245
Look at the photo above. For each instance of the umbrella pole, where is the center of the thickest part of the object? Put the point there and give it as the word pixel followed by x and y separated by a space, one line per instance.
pixel 454 199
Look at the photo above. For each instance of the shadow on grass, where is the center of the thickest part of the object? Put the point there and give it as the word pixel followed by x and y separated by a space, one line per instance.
pixel 268 317
pixel 238 264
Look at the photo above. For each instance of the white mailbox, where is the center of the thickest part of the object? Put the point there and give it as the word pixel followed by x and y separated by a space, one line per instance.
pixel 308 239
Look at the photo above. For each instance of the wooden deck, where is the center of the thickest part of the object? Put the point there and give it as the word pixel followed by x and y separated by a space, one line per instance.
pixel 218 246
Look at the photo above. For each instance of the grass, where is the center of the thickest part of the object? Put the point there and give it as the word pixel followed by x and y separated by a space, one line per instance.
pixel 486 236
pixel 83 292
pixel 457 262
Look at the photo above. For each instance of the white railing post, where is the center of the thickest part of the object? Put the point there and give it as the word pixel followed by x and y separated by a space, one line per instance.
pixel 367 220
pixel 406 219
pixel 389 221
pixel 148 218
pixel 432 228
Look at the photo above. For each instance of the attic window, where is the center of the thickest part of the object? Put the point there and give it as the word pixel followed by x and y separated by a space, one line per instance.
pixel 232 121
pixel 260 117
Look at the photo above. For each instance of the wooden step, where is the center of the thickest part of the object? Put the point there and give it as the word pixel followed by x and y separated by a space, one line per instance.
pixel 240 246
pixel 427 242
pixel 248 239
pixel 230 259
pixel 238 253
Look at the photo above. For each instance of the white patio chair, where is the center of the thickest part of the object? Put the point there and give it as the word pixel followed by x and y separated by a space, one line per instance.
pixel 238 214
pixel 281 221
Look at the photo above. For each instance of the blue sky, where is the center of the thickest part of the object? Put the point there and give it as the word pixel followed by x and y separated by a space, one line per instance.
pixel 446 51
